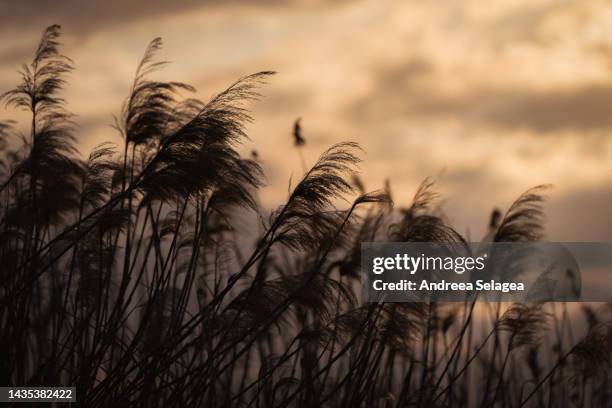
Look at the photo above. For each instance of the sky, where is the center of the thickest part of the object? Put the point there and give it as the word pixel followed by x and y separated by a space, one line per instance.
pixel 489 98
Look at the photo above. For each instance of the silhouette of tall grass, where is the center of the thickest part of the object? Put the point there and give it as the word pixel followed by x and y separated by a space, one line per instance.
pixel 128 274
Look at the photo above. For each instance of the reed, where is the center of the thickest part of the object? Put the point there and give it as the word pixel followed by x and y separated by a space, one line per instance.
pixel 129 274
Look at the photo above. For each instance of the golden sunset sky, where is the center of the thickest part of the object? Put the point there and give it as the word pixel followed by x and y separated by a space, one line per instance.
pixel 490 98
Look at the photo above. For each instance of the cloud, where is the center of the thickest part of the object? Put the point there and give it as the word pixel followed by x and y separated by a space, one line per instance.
pixel 83 17
pixel 584 107
pixel 580 215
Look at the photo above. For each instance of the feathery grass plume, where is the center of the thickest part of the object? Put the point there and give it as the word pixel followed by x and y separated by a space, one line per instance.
pixel 591 362
pixel 242 177
pixel 316 294
pixel 150 108
pixel 201 153
pixel 306 219
pixel 97 174
pixel 418 225
pixel 543 288
pixel 401 324
pixel 593 354
pixel 351 324
pixel 525 324
pixel 50 163
pixel 496 215
pixel 524 220
pixel 298 139
pixel 349 265
pixel 42 79
pixel 299 142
